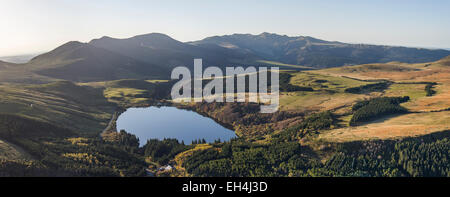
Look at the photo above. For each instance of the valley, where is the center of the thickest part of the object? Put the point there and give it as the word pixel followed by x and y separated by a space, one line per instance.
pixel 54 110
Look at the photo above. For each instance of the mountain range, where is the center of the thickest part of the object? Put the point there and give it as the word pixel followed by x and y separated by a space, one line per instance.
pixel 152 56
pixel 161 49
pixel 309 51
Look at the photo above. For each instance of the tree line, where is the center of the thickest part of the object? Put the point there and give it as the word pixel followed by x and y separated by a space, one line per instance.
pixel 410 157
pixel 368 110
pixel 429 89
pixel 374 87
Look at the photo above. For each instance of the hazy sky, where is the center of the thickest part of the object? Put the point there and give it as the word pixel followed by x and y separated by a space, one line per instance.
pixel 28 26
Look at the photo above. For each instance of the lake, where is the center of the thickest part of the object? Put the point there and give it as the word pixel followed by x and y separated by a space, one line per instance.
pixel 171 122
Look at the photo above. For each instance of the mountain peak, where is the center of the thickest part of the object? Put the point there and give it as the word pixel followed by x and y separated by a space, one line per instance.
pixel 69 46
pixel 106 37
pixel 155 39
pixel 154 36
pixel 72 44
pixel 151 40
pixel 102 39
pixel 144 38
pixel 267 34
pixel 61 50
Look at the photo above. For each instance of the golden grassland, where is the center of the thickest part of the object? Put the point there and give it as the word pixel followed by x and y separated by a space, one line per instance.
pixel 127 95
pixel 127 91
pixel 328 93
pixel 426 72
pixel 407 125
pixel 439 101
pixel 431 115
pixel 317 101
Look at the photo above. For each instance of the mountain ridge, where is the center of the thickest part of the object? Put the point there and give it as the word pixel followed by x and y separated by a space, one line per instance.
pixel 160 49
pixel 309 51
pixel 153 55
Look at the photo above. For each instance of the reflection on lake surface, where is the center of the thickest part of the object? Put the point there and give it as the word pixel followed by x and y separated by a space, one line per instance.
pixel 171 122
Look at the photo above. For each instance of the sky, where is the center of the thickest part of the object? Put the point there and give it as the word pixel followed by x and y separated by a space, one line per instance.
pixel 41 25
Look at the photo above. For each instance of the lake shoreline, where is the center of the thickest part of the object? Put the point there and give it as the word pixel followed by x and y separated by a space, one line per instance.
pixel 199 125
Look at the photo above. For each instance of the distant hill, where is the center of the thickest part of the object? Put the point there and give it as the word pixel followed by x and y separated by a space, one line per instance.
pixel 167 52
pixel 18 59
pixel 81 62
pixel 445 61
pixel 4 65
pixel 308 51
pixel 152 56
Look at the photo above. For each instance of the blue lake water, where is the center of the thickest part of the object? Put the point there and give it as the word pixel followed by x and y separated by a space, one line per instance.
pixel 171 122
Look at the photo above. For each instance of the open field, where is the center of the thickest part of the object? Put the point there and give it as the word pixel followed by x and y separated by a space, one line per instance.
pixel 61 103
pixel 411 73
pixel 409 78
pixel 130 91
pixel 317 101
pixel 128 95
pixel 371 71
pixel 324 82
pixel 408 125
pixel 328 93
pixel 439 101
pixel 283 64
pixel 414 91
